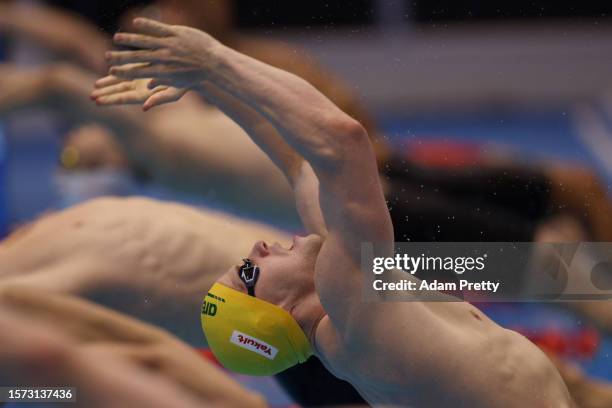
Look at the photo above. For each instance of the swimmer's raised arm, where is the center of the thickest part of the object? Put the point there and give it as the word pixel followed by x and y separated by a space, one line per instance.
pixel 184 57
pixel 336 145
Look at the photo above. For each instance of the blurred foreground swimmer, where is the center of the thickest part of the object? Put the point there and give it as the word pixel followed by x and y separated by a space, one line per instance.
pixel 112 360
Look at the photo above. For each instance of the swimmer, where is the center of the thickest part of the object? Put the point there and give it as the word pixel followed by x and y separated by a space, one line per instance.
pixel 432 354
pixel 146 258
pixel 50 339
pixel 59 87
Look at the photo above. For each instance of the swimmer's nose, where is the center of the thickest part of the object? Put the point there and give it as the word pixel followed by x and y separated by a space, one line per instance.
pixel 260 249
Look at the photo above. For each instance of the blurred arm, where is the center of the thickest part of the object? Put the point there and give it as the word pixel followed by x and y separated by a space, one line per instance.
pixel 171 146
pixel 57 30
pixel 146 352
pixel 62 88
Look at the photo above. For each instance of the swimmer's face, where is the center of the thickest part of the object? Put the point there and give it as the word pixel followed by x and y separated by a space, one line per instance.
pixel 285 273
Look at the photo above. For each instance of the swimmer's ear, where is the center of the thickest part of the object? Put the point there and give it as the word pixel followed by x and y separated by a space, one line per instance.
pixel 167 95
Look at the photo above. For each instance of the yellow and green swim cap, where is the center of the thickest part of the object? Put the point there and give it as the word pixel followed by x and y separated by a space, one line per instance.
pixel 250 336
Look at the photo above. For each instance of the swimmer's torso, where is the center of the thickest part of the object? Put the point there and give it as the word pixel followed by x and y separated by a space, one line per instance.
pixel 440 354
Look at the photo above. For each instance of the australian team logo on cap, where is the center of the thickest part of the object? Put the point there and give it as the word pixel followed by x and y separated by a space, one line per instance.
pixel 253 344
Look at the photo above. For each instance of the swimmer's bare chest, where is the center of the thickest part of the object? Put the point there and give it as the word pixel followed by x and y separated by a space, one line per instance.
pixel 376 364
pixel 411 347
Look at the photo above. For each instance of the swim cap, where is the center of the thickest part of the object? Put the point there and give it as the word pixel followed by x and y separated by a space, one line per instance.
pixel 250 336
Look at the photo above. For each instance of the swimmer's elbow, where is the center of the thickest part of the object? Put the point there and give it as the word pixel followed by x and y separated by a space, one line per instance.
pixel 348 131
pixel 345 137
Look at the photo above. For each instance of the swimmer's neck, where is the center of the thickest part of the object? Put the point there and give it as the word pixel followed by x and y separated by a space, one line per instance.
pixel 308 312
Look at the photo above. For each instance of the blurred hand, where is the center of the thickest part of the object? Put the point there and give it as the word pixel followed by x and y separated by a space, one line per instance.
pixel 49 86
pixel 19 85
pixel 40 355
pixel 101 338
pixel 60 31
pixel 112 90
pixel 175 56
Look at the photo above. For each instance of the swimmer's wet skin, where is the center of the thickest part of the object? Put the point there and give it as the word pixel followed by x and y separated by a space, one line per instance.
pixel 400 354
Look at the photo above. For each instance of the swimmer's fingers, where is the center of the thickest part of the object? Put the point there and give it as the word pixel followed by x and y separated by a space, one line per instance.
pixel 138 41
pixel 137 91
pixel 130 97
pixel 121 87
pixel 168 95
pixel 149 34
pixel 152 27
pixel 128 57
pixel 112 90
pixel 137 71
pixel 137 88
pixel 123 98
pixel 179 363
pixel 77 318
pixel 113 79
pixel 107 81
pixel 143 355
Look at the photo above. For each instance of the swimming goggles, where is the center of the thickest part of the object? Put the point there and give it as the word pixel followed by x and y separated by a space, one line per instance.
pixel 249 273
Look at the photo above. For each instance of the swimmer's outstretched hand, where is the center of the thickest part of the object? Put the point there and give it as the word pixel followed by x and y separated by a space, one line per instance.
pixel 175 56
pixel 112 90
